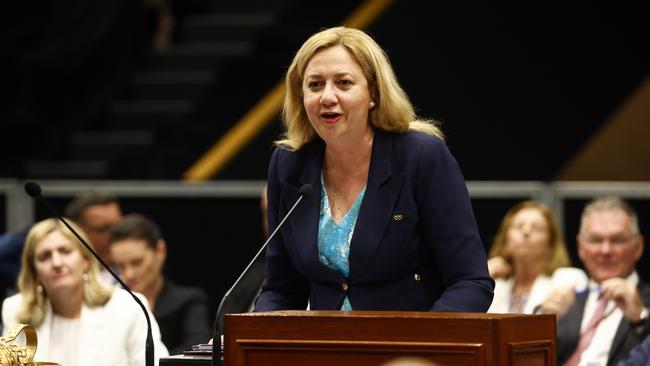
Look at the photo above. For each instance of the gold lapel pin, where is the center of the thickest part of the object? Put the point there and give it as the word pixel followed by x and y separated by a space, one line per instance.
pixel 398 217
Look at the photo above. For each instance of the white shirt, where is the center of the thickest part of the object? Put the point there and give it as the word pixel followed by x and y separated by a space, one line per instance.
pixel 503 294
pixel 64 340
pixel 110 335
pixel 597 353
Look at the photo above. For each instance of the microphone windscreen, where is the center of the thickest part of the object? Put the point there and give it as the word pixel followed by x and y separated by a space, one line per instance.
pixel 33 189
pixel 305 190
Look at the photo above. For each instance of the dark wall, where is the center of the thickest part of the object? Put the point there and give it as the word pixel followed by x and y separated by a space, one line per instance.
pixel 518 88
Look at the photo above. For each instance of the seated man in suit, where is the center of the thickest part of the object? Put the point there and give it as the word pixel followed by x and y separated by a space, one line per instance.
pixel 600 325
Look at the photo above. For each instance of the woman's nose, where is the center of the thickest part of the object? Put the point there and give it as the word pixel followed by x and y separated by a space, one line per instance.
pixel 128 274
pixel 328 97
pixel 56 259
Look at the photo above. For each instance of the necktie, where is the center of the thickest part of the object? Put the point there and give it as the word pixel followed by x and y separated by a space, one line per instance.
pixel 588 334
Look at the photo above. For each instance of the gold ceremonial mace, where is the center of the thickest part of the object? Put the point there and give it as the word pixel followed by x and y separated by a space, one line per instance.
pixel 18 349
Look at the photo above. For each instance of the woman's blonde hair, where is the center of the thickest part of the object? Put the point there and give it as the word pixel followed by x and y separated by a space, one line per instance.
pixel 559 257
pixel 32 310
pixel 393 110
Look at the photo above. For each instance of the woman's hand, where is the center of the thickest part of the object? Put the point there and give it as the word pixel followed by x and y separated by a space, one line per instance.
pixel 499 267
pixel 559 301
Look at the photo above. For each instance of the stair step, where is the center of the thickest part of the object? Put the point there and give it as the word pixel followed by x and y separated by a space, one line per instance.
pixel 170 84
pixel 67 169
pixel 223 26
pixel 199 55
pixel 245 6
pixel 112 137
pixel 148 113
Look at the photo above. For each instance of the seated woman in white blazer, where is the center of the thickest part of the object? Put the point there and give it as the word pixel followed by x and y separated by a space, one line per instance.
pixel 78 320
pixel 528 247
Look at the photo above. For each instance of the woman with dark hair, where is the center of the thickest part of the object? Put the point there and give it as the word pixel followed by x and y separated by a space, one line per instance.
pixel 139 251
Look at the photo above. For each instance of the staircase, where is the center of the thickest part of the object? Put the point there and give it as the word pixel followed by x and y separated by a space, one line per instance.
pixel 148 131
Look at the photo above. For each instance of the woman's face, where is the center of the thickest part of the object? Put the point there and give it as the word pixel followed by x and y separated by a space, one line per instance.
pixel 336 96
pixel 140 265
pixel 528 236
pixel 59 263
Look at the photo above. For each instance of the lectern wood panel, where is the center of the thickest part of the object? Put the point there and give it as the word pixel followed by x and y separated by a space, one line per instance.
pixel 314 338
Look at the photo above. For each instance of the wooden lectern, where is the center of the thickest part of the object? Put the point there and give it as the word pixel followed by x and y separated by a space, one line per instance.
pixel 360 338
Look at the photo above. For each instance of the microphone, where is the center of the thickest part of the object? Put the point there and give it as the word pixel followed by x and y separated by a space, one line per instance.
pixel 33 189
pixel 246 286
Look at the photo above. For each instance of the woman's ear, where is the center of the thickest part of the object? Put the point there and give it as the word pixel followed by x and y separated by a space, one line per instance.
pixel 161 250
pixel 87 263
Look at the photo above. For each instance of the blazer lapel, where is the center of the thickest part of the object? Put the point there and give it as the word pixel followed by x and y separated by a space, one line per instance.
pixel 304 219
pixel 43 336
pixel 92 336
pixel 576 321
pixel 384 186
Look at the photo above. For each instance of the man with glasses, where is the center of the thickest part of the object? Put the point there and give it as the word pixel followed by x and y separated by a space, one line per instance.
pixel 600 324
pixel 96 213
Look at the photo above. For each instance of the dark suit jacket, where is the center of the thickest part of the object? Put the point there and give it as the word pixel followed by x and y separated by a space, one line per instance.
pixel 182 315
pixel 627 336
pixel 639 355
pixel 415 244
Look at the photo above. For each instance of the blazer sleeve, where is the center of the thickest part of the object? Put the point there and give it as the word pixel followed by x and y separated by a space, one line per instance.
pixel 9 310
pixel 639 355
pixel 450 229
pixel 137 328
pixel 195 322
pixel 284 287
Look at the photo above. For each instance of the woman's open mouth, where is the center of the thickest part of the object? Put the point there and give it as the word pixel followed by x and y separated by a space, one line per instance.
pixel 330 117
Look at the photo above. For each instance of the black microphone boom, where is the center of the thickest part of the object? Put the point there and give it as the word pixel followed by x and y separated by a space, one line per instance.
pixel 238 298
pixel 33 189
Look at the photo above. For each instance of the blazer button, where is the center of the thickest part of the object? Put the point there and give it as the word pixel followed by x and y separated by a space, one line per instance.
pixel 344 286
pixel 417 277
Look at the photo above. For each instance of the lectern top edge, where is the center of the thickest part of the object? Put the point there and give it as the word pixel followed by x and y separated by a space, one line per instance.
pixel 380 314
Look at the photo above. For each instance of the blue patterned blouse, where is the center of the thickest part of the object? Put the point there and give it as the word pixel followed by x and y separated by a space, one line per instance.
pixel 334 239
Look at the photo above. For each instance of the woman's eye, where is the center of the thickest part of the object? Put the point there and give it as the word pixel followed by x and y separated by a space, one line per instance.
pixel 314 84
pixel 345 83
pixel 42 257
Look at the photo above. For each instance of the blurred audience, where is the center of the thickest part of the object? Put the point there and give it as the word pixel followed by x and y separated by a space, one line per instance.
pixel 139 251
pixel 11 245
pixel 162 23
pixel 96 213
pixel 601 323
pixel 79 320
pixel 528 247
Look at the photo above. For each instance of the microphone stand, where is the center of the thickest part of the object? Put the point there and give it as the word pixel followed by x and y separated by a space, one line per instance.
pixel 247 284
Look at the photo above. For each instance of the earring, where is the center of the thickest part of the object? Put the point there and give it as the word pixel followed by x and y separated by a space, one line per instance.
pixel 85 276
pixel 372 105
pixel 39 289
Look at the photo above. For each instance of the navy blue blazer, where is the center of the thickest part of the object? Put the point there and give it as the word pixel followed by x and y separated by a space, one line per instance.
pixel 415 245
pixel 639 355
